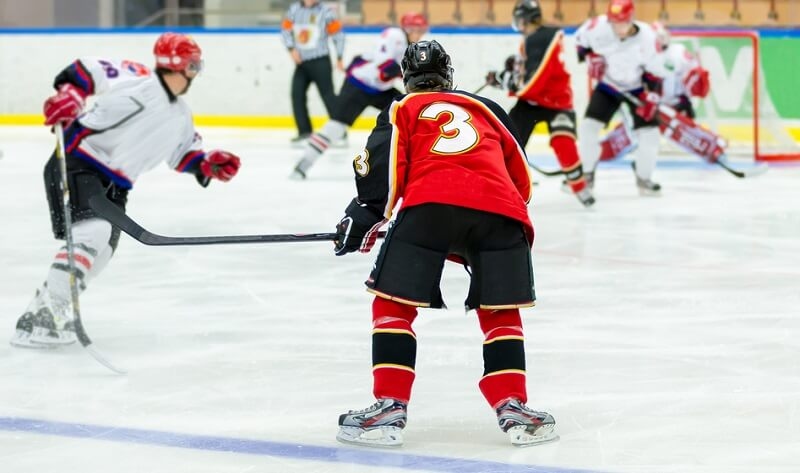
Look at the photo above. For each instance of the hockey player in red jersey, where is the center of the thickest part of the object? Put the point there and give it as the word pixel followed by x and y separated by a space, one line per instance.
pixel 459 167
pixel 138 121
pixel 369 82
pixel 542 84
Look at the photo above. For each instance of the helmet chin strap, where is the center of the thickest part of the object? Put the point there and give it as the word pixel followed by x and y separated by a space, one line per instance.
pixel 188 82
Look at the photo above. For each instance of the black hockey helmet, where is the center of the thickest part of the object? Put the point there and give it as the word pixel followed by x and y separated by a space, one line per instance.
pixel 526 11
pixel 426 65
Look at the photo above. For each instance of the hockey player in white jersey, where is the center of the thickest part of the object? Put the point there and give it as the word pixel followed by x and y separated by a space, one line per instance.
pixel 621 55
pixel 687 78
pixel 137 122
pixel 369 81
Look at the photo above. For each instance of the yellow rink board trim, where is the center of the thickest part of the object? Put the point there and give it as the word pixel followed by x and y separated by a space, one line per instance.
pixel 734 133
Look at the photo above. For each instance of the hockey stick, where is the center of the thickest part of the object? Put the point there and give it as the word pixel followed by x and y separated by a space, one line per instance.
pixel 80 332
pixel 109 211
pixel 721 160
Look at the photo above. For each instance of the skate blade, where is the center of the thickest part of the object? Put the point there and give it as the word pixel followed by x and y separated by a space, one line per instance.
pixel 377 437
pixel 649 193
pixel 520 437
pixel 24 339
pixel 297 175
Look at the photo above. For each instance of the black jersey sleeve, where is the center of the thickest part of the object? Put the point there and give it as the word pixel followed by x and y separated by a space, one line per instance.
pixel 76 74
pixel 536 46
pixel 372 166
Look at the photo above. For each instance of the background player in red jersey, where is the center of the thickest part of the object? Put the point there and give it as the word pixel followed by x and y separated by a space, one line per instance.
pixel 540 80
pixel 461 172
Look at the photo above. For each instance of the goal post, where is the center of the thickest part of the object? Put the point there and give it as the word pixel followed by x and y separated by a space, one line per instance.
pixel 739 106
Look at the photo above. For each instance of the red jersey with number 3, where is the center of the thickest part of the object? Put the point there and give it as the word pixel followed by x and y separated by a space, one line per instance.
pixel 545 79
pixel 447 147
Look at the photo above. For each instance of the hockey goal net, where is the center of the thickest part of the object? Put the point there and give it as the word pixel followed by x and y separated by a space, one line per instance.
pixel 741 106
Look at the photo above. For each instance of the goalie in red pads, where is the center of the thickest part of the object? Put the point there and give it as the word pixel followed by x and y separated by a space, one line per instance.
pixel 687 79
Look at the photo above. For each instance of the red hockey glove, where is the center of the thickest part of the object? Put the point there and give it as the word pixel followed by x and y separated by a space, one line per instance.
pixel 358 229
pixel 649 105
pixel 220 165
pixel 64 106
pixel 697 83
pixel 597 66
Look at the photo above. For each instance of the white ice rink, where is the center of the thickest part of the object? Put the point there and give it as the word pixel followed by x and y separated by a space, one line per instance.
pixel 666 336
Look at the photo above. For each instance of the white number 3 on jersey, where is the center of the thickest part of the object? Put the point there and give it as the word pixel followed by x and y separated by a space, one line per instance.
pixel 458 135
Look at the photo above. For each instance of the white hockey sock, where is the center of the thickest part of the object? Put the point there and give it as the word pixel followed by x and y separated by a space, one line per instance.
pixel 92 253
pixel 320 141
pixel 589 143
pixel 647 153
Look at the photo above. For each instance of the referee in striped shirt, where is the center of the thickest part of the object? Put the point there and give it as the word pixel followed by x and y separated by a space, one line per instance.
pixel 305 31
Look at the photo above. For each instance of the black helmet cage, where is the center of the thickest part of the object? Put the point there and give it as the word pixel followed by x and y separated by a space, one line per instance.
pixel 426 65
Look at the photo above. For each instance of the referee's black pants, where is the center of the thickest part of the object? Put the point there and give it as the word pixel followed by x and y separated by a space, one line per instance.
pixel 320 72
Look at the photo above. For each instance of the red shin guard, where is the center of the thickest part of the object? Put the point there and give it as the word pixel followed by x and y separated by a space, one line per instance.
pixel 393 321
pixel 567 154
pixel 504 346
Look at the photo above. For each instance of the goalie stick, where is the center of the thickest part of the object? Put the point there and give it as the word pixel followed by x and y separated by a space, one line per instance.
pixel 80 332
pixel 109 211
pixel 676 125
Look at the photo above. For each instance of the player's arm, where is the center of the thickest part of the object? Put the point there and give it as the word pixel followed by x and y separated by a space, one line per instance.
pixel 539 51
pixel 378 170
pixel 205 165
pixel 375 165
pixel 582 39
pixel 391 47
pixel 695 78
pixel 77 81
pixel 333 26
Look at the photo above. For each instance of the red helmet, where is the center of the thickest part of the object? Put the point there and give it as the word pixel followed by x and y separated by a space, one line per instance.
pixel 177 52
pixel 414 20
pixel 620 11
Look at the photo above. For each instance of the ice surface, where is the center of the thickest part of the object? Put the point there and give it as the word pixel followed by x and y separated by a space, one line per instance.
pixel 666 336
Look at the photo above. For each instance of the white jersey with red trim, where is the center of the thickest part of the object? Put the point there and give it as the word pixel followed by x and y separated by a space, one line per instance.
pixel 133 124
pixel 377 69
pixel 626 60
pixel 678 61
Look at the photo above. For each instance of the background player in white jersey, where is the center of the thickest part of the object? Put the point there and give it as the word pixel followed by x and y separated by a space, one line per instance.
pixel 370 79
pixel 137 122
pixel 621 54
pixel 687 78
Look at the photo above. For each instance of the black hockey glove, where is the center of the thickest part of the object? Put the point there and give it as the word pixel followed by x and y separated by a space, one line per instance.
pixel 358 229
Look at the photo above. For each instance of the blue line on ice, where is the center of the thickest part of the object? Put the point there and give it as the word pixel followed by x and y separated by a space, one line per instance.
pixel 356 456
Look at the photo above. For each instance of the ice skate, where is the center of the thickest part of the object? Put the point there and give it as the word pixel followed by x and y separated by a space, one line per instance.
pixel 39 327
pixel 585 196
pixel 525 427
pixel 300 140
pixel 300 171
pixel 647 187
pixel 342 143
pixel 379 425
